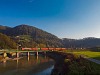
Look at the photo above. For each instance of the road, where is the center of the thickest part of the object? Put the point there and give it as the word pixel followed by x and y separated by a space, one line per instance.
pixel 91 59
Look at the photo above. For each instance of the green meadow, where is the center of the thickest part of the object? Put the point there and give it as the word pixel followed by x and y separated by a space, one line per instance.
pixel 87 53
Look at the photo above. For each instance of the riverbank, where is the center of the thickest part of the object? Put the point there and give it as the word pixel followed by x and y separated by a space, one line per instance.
pixel 62 62
pixel 69 64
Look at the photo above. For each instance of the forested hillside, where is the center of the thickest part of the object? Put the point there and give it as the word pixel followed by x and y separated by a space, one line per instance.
pixel 6 42
pixel 29 36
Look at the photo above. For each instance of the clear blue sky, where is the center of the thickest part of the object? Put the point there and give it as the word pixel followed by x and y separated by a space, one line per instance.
pixel 63 18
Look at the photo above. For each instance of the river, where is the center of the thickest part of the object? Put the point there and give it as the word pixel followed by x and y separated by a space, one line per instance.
pixel 31 65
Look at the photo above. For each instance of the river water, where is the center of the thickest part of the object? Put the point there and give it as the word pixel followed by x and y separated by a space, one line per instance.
pixel 31 65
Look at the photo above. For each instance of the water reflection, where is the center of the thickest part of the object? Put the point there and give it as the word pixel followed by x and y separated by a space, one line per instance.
pixel 4 63
pixel 28 56
pixel 45 72
pixel 28 65
pixel 37 57
pixel 17 62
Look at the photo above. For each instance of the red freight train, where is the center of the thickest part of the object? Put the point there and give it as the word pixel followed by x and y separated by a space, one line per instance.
pixel 44 49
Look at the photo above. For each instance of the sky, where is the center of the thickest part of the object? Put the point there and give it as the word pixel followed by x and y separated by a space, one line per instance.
pixel 64 18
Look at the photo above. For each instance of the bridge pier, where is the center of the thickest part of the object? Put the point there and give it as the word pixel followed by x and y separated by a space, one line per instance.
pixel 28 54
pixel 45 52
pixel 37 53
pixel 17 54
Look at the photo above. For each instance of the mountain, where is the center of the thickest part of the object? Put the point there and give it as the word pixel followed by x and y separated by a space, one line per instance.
pixel 6 42
pixel 81 43
pixel 29 36
pixel 4 27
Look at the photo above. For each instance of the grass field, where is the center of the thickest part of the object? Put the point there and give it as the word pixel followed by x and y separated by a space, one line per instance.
pixel 90 54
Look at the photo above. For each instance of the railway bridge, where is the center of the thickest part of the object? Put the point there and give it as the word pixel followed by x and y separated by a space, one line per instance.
pixel 16 52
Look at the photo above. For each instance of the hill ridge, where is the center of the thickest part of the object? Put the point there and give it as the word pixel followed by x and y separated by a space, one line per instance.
pixel 36 35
